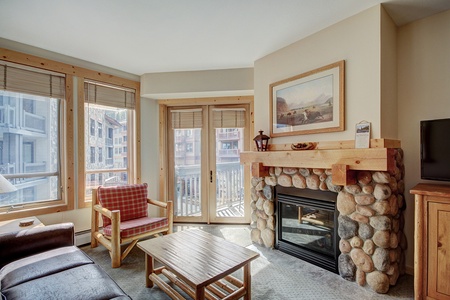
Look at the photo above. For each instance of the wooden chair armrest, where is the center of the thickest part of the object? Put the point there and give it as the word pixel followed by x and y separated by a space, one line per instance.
pixel 157 203
pixel 104 211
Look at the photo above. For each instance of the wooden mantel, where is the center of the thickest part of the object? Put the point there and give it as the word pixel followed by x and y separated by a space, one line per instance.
pixel 343 162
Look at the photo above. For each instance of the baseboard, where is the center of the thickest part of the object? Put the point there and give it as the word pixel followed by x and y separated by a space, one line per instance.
pixel 82 238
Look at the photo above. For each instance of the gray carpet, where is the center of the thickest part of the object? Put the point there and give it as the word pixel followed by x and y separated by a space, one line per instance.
pixel 275 275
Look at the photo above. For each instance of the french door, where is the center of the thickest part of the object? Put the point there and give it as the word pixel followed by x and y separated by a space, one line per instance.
pixel 206 179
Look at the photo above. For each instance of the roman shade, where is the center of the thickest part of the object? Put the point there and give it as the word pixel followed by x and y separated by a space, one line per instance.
pixel 228 117
pixel 33 81
pixel 186 118
pixel 108 95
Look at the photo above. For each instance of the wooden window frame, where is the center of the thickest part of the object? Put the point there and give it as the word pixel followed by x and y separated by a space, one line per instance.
pixel 68 162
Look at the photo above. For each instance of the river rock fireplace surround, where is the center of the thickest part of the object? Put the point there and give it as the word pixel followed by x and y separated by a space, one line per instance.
pixel 370 203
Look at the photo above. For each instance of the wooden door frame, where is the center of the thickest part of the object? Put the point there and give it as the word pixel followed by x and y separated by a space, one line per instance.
pixel 163 136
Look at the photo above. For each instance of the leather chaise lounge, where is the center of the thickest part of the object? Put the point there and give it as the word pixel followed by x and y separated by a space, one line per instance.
pixel 43 263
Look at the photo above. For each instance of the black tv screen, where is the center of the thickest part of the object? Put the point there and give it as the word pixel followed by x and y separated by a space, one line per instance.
pixel 435 149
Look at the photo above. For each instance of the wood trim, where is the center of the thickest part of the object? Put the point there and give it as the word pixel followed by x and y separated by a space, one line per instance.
pixel 42 63
pixel 163 159
pixel 207 101
pixel 137 136
pixel 70 145
pixel 347 144
pixel 372 159
pixel 81 145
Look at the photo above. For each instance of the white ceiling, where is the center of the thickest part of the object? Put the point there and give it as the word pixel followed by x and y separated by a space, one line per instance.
pixel 146 36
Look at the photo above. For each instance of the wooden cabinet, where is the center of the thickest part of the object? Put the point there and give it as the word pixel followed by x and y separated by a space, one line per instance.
pixel 432 241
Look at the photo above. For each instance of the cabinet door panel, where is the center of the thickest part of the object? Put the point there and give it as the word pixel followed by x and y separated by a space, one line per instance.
pixel 439 249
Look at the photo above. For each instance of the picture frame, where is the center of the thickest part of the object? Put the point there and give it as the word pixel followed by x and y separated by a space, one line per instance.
pixel 312 102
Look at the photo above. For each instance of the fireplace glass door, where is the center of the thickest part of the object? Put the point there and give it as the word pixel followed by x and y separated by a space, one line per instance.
pixel 308 227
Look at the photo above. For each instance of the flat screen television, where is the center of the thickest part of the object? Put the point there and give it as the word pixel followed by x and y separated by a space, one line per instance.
pixel 435 149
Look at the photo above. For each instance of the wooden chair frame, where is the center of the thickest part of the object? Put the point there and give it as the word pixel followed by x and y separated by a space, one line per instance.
pixel 113 243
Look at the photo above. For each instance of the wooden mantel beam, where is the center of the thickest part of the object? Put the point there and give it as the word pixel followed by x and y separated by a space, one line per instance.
pixel 370 159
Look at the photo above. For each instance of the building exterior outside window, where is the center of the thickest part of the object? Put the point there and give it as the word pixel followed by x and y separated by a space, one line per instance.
pixel 113 169
pixel 30 141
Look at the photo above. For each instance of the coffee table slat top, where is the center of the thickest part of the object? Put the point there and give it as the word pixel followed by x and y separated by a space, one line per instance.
pixel 197 256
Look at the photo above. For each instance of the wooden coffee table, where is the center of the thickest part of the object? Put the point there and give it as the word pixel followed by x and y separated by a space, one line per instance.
pixel 198 263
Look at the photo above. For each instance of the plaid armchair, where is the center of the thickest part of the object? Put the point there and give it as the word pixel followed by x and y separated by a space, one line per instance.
pixel 125 218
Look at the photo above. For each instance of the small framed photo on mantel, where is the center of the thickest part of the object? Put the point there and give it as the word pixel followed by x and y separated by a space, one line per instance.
pixel 362 135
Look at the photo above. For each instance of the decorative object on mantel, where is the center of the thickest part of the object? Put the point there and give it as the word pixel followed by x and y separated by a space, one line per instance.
pixel 311 102
pixel 261 141
pixel 304 146
pixel 362 135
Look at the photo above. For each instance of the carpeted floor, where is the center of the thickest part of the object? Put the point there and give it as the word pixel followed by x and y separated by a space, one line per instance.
pixel 275 275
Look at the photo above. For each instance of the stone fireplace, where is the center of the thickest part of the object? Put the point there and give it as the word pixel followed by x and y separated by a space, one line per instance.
pixel 370 214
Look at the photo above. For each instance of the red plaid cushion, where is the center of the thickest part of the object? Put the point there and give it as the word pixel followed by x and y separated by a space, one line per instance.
pixel 131 200
pixel 138 226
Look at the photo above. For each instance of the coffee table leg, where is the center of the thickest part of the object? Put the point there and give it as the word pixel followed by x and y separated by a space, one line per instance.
pixel 148 270
pixel 200 293
pixel 247 282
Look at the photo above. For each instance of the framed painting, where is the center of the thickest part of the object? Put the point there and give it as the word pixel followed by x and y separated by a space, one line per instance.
pixel 312 102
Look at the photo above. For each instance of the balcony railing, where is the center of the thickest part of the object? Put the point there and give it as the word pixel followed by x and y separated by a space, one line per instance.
pixel 234 135
pixel 229 188
pixel 34 167
pixel 28 121
pixel 34 122
pixel 229 152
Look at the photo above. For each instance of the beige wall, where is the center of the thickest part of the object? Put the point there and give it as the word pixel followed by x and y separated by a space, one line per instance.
pixel 423 93
pixel 388 67
pixel 355 40
pixel 190 84
pixel 395 77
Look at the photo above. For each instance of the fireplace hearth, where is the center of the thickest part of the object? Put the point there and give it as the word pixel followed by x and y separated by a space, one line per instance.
pixel 306 225
pixel 368 205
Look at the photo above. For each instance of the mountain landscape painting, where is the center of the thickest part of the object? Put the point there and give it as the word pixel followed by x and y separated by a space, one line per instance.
pixel 311 102
pixel 305 103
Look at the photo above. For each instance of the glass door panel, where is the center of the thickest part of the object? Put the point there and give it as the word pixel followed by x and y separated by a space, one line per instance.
pixel 187 171
pixel 229 173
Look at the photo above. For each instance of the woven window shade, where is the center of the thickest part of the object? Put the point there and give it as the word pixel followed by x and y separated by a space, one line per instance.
pixel 107 95
pixel 187 118
pixel 33 81
pixel 228 117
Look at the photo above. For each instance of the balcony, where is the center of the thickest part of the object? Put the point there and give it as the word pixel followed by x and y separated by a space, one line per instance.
pixel 26 120
pixel 229 136
pixel 229 190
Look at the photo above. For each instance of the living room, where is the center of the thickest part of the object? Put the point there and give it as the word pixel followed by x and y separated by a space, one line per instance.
pixel 394 78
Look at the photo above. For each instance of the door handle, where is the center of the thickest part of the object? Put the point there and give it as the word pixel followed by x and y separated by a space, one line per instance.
pixel 210 176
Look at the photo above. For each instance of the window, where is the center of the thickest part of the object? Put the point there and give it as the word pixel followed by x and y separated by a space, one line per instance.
pixel 113 108
pixel 28 152
pixel 92 155
pixel 32 111
pixel 100 130
pixel 124 149
pixel 92 122
pixel 110 133
pixel 38 134
pixel 100 154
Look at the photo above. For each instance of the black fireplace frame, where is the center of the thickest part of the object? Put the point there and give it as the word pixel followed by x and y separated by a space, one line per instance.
pixel 316 199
